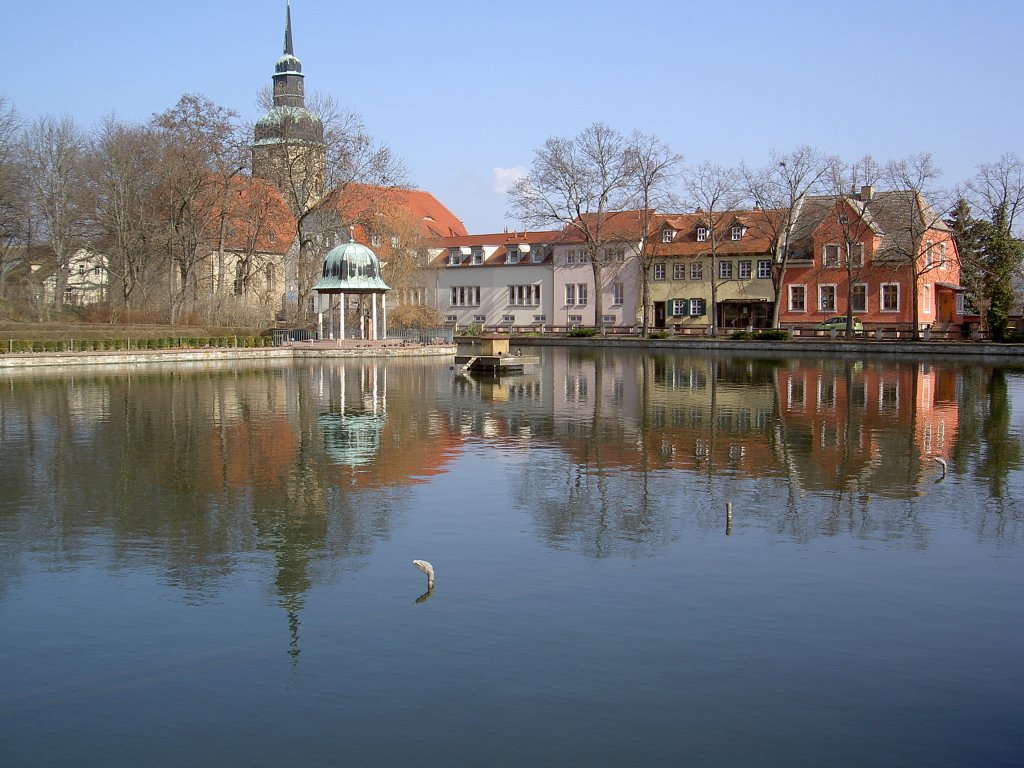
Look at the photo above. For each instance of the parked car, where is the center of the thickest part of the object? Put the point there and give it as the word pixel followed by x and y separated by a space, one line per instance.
pixel 839 324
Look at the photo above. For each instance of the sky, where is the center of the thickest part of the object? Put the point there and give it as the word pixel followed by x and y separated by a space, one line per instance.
pixel 465 92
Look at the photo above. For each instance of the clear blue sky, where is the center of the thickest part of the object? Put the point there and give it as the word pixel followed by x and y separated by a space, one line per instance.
pixel 461 90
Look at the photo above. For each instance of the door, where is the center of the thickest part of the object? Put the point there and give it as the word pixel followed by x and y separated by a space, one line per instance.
pixel 659 314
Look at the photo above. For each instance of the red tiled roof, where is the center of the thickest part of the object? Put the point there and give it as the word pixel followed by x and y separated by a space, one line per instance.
pixel 435 221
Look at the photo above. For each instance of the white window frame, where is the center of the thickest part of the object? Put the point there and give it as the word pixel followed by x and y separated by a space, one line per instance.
pixel 512 255
pixel 793 291
pixel 454 257
pixel 618 294
pixel 676 307
pixel 736 232
pixel 744 269
pixel 702 234
pixel 942 254
pixel 926 298
pixel 697 307
pixel 678 270
pixel 764 269
pixel 725 269
pixel 478 256
pixel 527 295
pixel 825 250
pixel 482 319
pixel 570 294
pixel 658 271
pixel 697 270
pixel 666 235
pixel 961 304
pixel 929 254
pixel 464 296
pixel 881 298
pixel 823 290
pixel 576 319
pixel 863 309
pixel 608 319
pixel 858 249
pixel 581 294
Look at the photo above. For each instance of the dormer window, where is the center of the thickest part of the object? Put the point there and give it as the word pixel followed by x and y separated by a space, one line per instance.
pixel 702 234
pixel 736 232
pixel 478 256
pixel 537 256
pixel 512 256
pixel 454 257
pixel 667 234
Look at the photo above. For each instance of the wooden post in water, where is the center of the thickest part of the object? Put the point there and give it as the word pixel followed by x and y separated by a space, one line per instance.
pixel 728 518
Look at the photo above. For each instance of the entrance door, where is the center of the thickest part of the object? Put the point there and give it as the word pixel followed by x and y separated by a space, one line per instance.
pixel 659 314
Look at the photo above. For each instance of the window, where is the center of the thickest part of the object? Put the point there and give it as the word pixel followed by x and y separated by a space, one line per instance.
pixel 576 256
pixel 702 234
pixel 961 304
pixel 890 297
pixel 859 297
pixel 679 307
pixel 239 278
pixel 478 256
pixel 508 318
pixel 844 219
pixel 575 318
pixel 396 241
pixel 465 296
pixel 618 293
pixel 375 243
pixel 725 270
pixel 929 256
pixel 736 232
pixel 743 272
pixel 678 271
pixel 830 256
pixel 537 256
pixel 524 295
pixel 454 256
pixel 570 294
pixel 764 269
pixel 855 253
pixel 797 298
pixel 614 254
pixel 926 299
pixel 81 269
pixel 540 318
pixel 666 235
pixel 697 308
pixel 697 270
pixel 512 256
pixel 827 298
pixel 97 271
pixel 451 318
pixel 607 318
pixel 942 254
pixel 271 237
pixel 659 272
pixel 581 294
pixel 482 319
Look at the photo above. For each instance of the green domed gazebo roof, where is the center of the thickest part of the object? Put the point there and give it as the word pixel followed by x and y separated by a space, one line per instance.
pixel 351 268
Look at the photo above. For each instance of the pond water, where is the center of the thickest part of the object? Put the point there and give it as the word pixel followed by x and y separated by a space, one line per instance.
pixel 211 564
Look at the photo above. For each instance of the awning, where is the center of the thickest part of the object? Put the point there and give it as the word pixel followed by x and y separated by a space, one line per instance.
pixel 952 287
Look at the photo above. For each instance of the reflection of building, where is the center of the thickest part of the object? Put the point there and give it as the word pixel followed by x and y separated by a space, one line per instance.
pixel 352 434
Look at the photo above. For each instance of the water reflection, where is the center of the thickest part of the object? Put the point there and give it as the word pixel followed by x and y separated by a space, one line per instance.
pixel 194 469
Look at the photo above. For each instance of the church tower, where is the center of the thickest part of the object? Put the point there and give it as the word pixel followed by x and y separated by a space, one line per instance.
pixel 288 148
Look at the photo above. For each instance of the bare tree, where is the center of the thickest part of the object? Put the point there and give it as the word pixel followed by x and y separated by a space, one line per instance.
pixel 779 190
pixel 13 179
pixel 715 192
pixel 576 184
pixel 54 150
pixel 655 168
pixel 201 151
pixel 999 186
pixel 124 202
pixel 313 175
pixel 920 207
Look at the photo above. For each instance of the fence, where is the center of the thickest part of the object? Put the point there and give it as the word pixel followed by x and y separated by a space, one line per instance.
pixel 422 335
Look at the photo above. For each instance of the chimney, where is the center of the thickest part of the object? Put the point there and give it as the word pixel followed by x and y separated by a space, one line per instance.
pixel 867 193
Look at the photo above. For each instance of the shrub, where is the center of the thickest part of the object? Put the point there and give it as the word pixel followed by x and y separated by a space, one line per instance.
pixel 658 335
pixel 583 332
pixel 742 336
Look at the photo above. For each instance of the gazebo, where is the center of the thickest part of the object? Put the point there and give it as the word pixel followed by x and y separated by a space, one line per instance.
pixel 354 268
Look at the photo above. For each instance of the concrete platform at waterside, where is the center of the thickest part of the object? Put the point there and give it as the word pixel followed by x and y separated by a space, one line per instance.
pixel 292 351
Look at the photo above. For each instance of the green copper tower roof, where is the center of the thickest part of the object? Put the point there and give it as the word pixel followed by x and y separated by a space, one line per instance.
pixel 351 268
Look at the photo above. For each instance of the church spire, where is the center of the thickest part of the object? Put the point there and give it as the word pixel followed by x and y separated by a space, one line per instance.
pixel 288 30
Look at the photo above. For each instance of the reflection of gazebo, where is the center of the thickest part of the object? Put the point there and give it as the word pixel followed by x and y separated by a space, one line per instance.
pixel 354 268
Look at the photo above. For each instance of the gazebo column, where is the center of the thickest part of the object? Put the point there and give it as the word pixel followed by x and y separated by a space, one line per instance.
pixel 320 325
pixel 373 333
pixel 384 314
pixel 341 319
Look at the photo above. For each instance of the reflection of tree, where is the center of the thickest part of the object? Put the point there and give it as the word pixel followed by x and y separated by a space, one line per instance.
pixel 985 438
